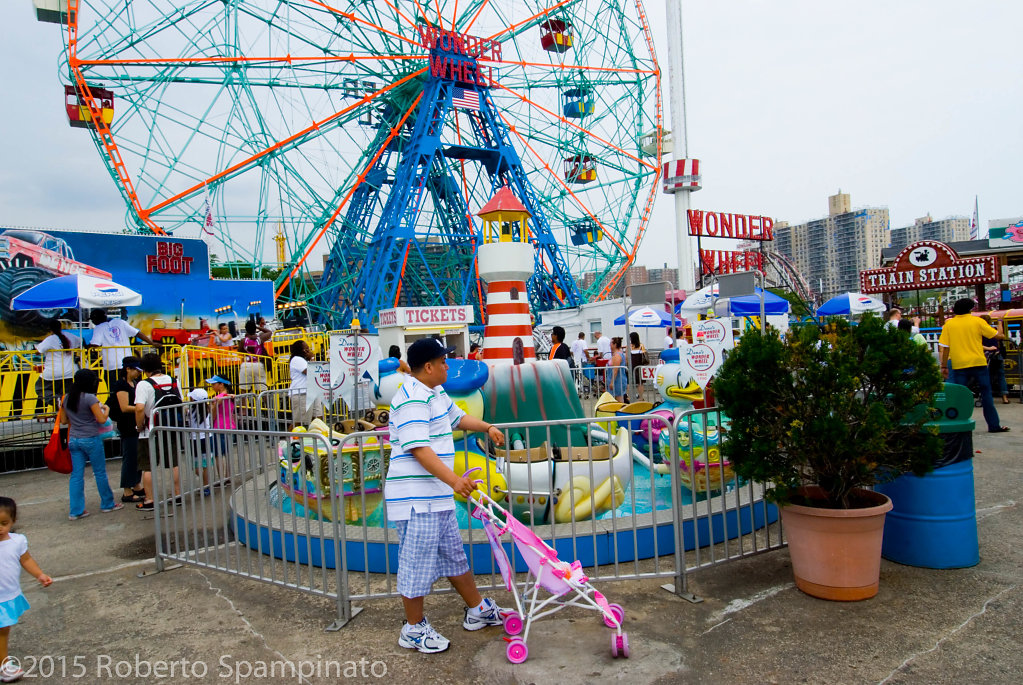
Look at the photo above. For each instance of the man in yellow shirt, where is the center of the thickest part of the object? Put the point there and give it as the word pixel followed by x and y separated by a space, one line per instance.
pixel 961 342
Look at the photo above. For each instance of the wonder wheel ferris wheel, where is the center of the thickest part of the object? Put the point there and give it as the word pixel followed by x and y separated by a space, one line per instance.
pixel 369 133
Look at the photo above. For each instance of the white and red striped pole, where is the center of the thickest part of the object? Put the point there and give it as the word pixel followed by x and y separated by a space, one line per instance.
pixel 507 321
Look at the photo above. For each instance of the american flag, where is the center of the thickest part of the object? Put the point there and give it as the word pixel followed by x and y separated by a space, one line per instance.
pixel 466 99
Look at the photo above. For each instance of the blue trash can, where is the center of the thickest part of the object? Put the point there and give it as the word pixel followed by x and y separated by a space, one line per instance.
pixel 933 521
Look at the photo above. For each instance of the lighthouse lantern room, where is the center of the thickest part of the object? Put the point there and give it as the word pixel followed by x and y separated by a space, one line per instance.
pixel 506 261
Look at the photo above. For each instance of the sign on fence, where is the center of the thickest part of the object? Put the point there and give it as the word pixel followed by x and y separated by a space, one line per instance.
pixel 318 386
pixel 714 332
pixel 701 361
pixel 648 373
pixel 351 355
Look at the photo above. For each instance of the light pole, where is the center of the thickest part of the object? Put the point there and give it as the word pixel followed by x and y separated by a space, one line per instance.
pixel 677 99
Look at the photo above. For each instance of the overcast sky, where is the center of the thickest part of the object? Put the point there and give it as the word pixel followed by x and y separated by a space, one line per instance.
pixel 911 104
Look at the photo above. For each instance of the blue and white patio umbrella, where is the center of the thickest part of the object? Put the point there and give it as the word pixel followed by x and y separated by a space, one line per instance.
pixel 851 303
pixel 76 291
pixel 647 317
pixel 698 302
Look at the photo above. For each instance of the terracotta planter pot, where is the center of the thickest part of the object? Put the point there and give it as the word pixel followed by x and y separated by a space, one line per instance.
pixel 836 553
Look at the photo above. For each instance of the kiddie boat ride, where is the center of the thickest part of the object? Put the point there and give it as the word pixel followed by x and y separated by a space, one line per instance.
pixel 702 470
pixel 595 489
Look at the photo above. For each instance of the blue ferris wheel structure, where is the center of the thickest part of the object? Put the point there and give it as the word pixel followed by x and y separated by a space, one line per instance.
pixel 367 135
pixel 456 81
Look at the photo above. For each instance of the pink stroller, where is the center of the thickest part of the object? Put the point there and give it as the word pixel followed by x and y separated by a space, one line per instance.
pixel 545 571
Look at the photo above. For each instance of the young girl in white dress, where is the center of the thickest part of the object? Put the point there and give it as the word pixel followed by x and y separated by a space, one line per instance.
pixel 14 556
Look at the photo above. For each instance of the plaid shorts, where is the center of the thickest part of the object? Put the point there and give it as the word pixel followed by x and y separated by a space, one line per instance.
pixel 429 547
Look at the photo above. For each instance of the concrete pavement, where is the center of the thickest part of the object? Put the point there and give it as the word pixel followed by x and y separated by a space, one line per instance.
pixel 109 619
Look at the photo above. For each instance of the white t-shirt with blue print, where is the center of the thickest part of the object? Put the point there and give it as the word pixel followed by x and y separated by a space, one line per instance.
pixel 420 416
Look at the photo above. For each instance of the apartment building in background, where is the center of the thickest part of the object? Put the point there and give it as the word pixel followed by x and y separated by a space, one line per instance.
pixel 954 229
pixel 634 275
pixel 831 252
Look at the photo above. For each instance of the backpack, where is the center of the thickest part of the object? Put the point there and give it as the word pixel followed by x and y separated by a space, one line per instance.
pixel 167 395
pixel 114 406
pixel 124 420
pixel 253 346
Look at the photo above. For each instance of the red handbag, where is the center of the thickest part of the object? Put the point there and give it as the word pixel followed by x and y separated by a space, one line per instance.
pixel 56 453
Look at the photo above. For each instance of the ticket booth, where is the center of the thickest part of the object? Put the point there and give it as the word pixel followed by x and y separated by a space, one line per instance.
pixel 402 326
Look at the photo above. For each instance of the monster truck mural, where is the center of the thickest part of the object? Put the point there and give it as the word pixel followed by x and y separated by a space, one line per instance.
pixel 30 257
pixel 172 274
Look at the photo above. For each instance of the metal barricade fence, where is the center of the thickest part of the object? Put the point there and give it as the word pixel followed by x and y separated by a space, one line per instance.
pixel 283 338
pixel 247 373
pixel 304 511
pixel 274 409
pixel 734 524
pixel 642 388
pixel 592 381
pixel 31 385
pixel 629 539
pixel 210 488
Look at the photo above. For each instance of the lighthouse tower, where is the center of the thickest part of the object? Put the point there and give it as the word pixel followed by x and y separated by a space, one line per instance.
pixel 505 262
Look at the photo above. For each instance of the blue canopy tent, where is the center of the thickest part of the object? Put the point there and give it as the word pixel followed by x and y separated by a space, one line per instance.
pixel 747 305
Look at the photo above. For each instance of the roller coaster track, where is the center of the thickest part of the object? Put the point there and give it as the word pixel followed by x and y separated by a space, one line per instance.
pixel 788 275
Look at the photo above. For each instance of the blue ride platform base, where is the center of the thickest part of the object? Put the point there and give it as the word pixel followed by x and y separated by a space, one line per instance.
pixel 589 549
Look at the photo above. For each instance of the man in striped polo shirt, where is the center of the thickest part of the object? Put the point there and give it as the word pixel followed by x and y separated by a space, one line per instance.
pixel 419 496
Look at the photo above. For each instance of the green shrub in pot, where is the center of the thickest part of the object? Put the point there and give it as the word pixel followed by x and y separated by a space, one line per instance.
pixel 837 410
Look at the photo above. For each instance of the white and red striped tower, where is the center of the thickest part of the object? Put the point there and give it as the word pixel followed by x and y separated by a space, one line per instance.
pixel 505 261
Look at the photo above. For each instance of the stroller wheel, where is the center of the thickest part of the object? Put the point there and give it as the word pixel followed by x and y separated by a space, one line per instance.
pixel 517 651
pixel 513 623
pixel 620 646
pixel 619 613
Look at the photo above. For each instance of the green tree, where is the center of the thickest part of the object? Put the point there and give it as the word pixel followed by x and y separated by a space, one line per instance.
pixel 799 308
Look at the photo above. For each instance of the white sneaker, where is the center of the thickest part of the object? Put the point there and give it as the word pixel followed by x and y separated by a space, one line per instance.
pixel 422 637
pixel 490 615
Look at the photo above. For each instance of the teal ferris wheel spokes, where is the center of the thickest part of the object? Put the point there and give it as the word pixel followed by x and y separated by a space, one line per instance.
pixel 294 117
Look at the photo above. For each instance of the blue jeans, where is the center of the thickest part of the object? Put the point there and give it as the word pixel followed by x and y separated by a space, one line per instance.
pixel 82 450
pixel 983 378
